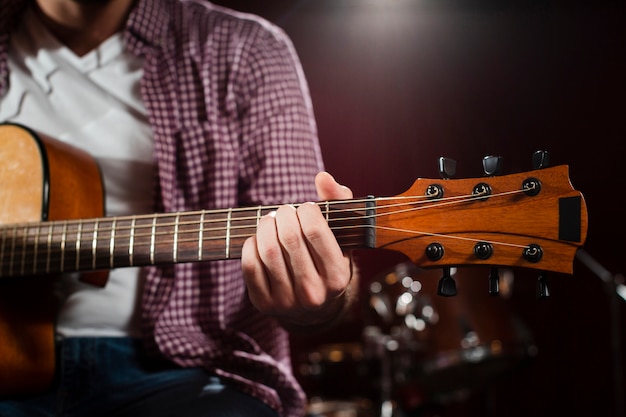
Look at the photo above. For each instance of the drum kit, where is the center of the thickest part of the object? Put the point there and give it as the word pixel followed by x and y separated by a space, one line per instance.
pixel 412 349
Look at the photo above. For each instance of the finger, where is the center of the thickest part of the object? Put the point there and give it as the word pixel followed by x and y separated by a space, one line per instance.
pixel 332 265
pixel 309 289
pixel 255 277
pixel 329 189
pixel 271 256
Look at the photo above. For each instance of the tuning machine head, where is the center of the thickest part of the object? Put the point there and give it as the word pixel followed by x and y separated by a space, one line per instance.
pixel 494 281
pixel 492 165
pixel 447 285
pixel 541 159
pixel 543 289
pixel 447 167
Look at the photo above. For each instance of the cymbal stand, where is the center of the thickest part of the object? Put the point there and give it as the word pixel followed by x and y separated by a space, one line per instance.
pixel 616 290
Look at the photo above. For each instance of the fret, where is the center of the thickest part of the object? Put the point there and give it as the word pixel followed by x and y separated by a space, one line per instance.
pixel 48 253
pixel 63 244
pixel 112 243
pixel 152 239
pixel 213 235
pixel 243 224
pixel 327 205
pixel 36 248
pixel 190 232
pixel 79 230
pixel 131 242
pixel 201 236
pixel 11 260
pixel 258 215
pixel 102 246
pixel 84 230
pixel 228 219
pixel 140 241
pixel 94 245
pixel 24 245
pixel 175 240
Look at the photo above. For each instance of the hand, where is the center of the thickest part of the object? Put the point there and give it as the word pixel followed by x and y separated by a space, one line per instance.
pixel 294 268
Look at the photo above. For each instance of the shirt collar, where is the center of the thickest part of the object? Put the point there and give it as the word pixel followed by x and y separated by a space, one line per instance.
pixel 146 29
pixel 147 26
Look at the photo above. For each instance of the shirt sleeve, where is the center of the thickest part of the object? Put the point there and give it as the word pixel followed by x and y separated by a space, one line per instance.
pixel 279 148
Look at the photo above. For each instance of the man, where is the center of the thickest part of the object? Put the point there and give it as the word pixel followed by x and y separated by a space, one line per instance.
pixel 185 106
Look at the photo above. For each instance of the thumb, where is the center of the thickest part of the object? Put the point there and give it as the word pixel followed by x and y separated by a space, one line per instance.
pixel 329 189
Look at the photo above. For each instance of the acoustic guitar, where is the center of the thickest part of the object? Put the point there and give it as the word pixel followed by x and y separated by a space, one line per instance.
pixel 51 223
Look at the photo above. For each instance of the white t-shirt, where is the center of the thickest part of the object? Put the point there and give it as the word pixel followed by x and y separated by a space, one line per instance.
pixel 92 102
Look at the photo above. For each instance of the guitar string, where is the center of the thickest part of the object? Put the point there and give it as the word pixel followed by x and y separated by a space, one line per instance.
pixel 120 236
pixel 412 200
pixel 133 219
pixel 133 228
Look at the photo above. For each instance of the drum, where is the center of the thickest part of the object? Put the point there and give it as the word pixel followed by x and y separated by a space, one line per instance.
pixel 405 345
pixel 466 341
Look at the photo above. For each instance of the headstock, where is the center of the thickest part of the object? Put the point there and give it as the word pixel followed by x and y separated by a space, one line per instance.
pixel 533 219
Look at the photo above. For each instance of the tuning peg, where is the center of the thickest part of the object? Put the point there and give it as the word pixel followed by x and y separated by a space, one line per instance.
pixel 492 165
pixel 447 285
pixel 447 167
pixel 543 289
pixel 541 159
pixel 494 282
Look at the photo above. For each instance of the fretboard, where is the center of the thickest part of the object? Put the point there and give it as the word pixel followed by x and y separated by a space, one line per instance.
pixel 113 242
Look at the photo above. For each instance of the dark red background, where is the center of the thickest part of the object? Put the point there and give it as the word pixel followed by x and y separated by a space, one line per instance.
pixel 398 83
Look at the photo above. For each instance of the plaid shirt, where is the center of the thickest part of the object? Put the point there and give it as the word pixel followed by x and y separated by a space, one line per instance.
pixel 233 126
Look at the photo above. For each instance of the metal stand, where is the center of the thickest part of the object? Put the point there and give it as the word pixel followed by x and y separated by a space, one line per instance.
pixel 380 346
pixel 616 291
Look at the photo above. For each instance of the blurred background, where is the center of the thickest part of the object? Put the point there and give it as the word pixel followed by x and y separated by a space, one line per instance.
pixel 395 85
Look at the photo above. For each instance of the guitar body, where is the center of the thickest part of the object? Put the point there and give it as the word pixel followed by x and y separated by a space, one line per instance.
pixel 40 179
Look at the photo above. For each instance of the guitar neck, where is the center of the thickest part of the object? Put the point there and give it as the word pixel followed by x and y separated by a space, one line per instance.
pixel 530 220
pixel 114 242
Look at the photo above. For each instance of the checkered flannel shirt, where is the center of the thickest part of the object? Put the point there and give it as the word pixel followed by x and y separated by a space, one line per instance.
pixel 233 126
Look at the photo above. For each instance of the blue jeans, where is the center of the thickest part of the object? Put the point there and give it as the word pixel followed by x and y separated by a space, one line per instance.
pixel 111 377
